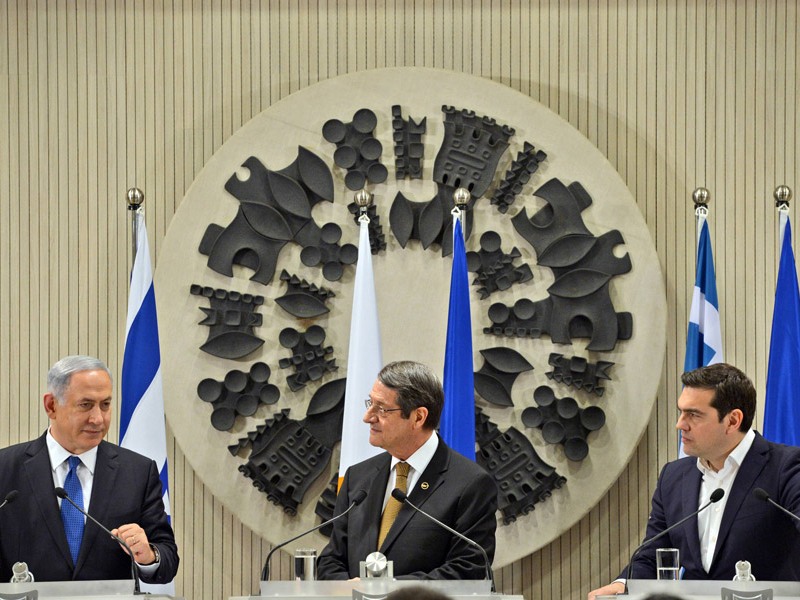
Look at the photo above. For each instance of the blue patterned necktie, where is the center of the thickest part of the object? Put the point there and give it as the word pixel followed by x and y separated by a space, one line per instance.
pixel 71 516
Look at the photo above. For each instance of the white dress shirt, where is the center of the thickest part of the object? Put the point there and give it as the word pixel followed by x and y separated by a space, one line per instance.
pixel 709 520
pixel 60 468
pixel 59 464
pixel 417 463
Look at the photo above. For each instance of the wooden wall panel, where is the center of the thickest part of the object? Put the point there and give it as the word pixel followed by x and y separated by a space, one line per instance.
pixel 100 95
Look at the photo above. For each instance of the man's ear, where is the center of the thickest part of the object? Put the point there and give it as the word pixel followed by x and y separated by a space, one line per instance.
pixel 735 418
pixel 50 402
pixel 420 416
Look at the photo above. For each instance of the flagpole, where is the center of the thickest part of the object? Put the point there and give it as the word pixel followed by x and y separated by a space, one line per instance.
pixel 135 198
pixel 782 194
pixel 363 199
pixel 701 197
pixel 461 199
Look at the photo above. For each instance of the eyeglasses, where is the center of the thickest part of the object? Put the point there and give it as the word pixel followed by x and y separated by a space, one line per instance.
pixel 382 412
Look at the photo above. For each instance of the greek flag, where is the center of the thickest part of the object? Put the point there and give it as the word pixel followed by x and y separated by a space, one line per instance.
pixel 782 403
pixel 458 417
pixel 704 338
pixel 141 426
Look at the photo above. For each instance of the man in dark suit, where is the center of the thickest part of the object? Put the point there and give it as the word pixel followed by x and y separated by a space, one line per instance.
pixel 717 407
pixel 118 487
pixel 403 412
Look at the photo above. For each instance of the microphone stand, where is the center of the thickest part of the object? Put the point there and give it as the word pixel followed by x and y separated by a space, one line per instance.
pixel 763 495
pixel 357 499
pixel 10 497
pixel 716 496
pixel 400 495
pixel 62 493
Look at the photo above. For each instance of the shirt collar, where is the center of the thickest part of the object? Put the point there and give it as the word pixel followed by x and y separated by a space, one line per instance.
pixel 420 459
pixel 736 456
pixel 58 454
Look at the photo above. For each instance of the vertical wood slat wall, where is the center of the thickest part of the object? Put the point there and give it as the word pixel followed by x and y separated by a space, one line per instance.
pixel 97 96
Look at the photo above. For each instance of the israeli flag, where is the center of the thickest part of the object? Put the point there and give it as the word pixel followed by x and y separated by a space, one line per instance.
pixel 141 426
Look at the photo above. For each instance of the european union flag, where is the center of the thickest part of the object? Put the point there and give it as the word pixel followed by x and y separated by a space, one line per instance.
pixel 782 403
pixel 458 417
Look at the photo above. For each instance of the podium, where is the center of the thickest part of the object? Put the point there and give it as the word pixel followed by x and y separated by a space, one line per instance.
pixel 710 590
pixel 372 589
pixel 116 589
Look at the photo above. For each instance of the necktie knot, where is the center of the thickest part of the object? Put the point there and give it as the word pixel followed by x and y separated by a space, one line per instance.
pixel 74 461
pixel 402 469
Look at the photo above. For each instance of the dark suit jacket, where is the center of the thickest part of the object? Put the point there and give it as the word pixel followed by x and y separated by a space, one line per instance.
pixel 751 529
pixel 126 489
pixel 452 488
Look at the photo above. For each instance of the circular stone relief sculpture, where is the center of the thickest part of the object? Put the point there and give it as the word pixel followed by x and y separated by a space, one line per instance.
pixel 567 295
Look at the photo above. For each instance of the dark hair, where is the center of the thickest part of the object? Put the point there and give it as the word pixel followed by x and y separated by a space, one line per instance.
pixel 416 387
pixel 417 592
pixel 732 389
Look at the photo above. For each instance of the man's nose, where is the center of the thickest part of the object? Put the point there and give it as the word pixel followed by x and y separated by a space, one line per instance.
pixel 96 415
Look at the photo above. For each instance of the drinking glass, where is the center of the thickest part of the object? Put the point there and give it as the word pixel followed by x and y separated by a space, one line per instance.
pixel 668 564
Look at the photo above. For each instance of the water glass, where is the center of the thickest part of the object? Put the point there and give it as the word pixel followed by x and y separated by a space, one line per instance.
pixel 668 564
pixel 305 564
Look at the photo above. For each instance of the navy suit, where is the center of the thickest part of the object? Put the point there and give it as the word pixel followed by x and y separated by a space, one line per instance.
pixel 125 489
pixel 452 488
pixel 751 529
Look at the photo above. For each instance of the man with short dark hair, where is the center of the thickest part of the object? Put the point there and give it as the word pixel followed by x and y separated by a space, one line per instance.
pixel 118 487
pixel 403 412
pixel 716 410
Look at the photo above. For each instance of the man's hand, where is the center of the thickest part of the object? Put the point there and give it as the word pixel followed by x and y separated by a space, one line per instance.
pixel 607 590
pixel 136 538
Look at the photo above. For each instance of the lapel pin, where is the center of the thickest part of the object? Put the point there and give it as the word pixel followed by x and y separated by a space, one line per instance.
pixel 424 485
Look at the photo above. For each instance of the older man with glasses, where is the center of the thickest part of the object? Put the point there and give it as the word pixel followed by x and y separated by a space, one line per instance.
pixel 403 413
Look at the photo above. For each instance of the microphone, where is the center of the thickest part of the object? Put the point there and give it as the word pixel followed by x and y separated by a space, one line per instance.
pixel 358 498
pixel 21 574
pixel 401 496
pixel 10 497
pixel 716 496
pixel 763 495
pixel 62 493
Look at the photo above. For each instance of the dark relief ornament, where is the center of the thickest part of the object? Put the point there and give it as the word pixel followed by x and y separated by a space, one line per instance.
pixel 357 149
pixel 562 421
pixel 409 149
pixel 230 319
pixel 285 456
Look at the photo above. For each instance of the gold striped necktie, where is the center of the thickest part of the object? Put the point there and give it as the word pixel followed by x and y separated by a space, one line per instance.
pixel 393 506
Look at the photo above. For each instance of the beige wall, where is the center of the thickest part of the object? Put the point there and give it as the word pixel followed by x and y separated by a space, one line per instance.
pixel 98 96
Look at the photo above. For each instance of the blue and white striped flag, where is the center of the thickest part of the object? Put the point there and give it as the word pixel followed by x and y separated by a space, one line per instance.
pixel 141 426
pixel 704 338
pixel 458 416
pixel 782 401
